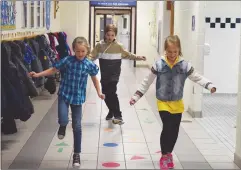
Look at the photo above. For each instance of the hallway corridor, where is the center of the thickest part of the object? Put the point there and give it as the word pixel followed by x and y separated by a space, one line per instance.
pixel 134 145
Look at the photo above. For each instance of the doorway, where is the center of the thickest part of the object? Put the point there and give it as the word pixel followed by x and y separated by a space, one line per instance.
pixel 121 18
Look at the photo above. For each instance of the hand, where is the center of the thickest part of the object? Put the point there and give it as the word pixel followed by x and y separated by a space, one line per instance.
pixel 142 58
pixel 102 96
pixel 33 74
pixel 132 102
pixel 213 90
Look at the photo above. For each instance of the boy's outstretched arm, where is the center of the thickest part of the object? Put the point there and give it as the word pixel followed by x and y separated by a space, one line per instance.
pixel 97 87
pixel 44 73
pixel 199 79
pixel 148 80
pixel 127 55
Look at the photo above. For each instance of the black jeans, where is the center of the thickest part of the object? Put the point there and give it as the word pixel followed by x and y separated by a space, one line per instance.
pixel 111 98
pixel 170 130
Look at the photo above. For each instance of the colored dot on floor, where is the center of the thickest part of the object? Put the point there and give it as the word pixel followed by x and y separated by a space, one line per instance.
pixel 111 165
pixel 108 130
pixel 110 144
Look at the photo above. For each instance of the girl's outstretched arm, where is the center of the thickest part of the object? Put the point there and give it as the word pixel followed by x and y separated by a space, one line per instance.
pixel 194 76
pixel 146 83
pixel 94 53
pixel 127 55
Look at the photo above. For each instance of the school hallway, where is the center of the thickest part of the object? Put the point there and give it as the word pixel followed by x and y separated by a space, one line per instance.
pixel 133 145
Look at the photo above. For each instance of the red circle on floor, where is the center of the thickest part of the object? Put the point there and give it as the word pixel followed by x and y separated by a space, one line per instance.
pixel 111 165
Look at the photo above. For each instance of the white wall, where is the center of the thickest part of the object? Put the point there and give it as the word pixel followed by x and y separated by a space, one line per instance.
pixel 74 19
pixel 224 45
pixel 237 156
pixel 144 17
pixel 192 47
pixel 238 127
pixel 165 16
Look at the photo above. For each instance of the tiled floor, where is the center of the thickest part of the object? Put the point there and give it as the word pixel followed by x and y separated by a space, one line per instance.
pixel 219 111
pixel 134 145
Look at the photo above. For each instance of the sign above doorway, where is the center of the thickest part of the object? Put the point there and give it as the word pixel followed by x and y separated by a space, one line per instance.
pixel 113 3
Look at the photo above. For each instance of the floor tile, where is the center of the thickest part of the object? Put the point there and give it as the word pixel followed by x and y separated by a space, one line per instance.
pixel 191 158
pixel 135 148
pixel 117 150
pixel 25 164
pixel 58 154
pixel 8 156
pixel 138 158
pixel 5 164
pixel 111 138
pixel 215 152
pixel 217 158
pixel 139 165
pixel 54 165
pixel 223 165
pixel 195 165
pixel 204 141
pixel 103 157
pixel 89 150
pixel 134 139
pixel 155 149
pixel 210 146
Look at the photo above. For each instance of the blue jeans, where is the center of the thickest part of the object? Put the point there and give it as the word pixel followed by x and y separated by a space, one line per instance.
pixel 63 111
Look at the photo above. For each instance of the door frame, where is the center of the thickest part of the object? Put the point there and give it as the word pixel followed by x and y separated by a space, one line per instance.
pixel 108 12
pixel 172 18
pixel 170 6
pixel 119 9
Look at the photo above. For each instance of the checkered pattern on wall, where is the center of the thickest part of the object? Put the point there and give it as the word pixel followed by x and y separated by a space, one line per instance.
pixel 222 22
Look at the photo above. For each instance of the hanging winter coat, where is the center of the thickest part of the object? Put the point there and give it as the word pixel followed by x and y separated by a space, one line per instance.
pixel 53 44
pixel 27 55
pixel 43 44
pixel 33 49
pixel 17 58
pixel 63 48
pixel 17 103
pixel 50 83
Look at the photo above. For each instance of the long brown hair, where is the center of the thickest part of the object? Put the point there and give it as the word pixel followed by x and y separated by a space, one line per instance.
pixel 173 39
pixel 110 27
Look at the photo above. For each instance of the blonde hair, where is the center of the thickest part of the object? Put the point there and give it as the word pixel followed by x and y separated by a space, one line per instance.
pixel 81 41
pixel 173 39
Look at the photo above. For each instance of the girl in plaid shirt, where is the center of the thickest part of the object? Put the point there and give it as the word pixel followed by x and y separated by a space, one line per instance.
pixel 72 90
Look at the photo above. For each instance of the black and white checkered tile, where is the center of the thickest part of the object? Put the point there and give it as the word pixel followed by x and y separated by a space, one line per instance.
pixel 222 22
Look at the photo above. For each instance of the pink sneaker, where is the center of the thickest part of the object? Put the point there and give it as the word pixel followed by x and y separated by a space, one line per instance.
pixel 164 163
pixel 170 163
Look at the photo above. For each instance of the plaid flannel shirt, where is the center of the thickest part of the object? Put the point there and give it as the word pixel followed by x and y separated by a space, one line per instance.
pixel 74 81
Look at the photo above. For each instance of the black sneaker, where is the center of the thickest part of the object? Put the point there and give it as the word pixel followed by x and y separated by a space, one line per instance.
pixel 76 160
pixel 118 120
pixel 109 117
pixel 61 132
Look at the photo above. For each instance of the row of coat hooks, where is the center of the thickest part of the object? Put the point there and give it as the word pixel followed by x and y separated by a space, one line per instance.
pixel 19 35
